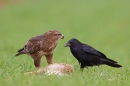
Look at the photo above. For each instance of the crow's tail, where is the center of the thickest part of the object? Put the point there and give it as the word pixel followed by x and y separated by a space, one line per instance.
pixel 112 64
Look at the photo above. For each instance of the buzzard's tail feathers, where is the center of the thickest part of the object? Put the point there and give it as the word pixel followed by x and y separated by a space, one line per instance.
pixel 21 51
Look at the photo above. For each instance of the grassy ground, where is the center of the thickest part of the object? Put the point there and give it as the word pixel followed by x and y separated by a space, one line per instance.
pixel 105 25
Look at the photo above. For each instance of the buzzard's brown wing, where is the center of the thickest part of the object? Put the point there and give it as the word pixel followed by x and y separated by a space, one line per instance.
pixel 33 45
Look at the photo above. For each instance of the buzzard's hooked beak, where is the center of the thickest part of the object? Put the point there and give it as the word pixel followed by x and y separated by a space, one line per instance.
pixel 62 37
pixel 67 44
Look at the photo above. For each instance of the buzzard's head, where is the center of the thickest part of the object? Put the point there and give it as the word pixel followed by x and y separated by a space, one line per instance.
pixel 55 34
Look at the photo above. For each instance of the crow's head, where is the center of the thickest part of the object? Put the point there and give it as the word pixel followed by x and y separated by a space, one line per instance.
pixel 72 42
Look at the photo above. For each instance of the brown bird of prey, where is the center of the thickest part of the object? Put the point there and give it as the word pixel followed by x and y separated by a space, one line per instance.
pixel 41 45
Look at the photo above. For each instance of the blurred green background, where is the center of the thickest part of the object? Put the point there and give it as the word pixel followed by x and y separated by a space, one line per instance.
pixel 105 25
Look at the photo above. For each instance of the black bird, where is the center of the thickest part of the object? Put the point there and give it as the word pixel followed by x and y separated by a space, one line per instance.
pixel 87 56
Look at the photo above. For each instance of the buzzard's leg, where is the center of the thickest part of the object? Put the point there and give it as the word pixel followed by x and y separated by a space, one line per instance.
pixel 49 58
pixel 37 61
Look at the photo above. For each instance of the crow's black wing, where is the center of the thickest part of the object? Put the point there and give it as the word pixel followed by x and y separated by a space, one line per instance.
pixel 91 50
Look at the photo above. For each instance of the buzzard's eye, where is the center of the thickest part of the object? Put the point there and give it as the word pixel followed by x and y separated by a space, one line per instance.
pixel 58 34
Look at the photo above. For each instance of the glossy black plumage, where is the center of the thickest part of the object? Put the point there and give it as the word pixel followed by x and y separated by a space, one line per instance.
pixel 88 56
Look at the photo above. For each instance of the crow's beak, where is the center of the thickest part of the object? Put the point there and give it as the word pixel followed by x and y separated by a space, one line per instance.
pixel 67 44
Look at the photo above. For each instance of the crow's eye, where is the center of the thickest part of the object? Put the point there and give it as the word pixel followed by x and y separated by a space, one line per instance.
pixel 71 43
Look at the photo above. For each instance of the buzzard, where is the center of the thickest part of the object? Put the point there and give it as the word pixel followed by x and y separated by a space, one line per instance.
pixel 60 69
pixel 88 56
pixel 42 45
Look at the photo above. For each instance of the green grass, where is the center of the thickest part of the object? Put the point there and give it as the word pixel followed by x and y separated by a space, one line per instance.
pixel 105 25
